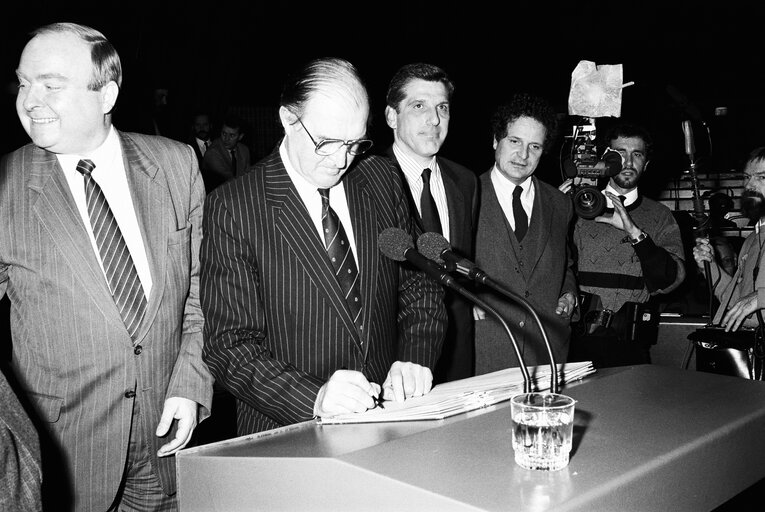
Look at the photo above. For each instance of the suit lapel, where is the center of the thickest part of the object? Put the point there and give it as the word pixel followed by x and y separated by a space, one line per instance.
pixel 364 221
pixel 540 227
pixel 58 214
pixel 506 243
pixel 150 195
pixel 294 224
pixel 413 208
pixel 456 205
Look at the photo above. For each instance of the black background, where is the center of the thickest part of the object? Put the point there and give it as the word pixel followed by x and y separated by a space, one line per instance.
pixel 234 55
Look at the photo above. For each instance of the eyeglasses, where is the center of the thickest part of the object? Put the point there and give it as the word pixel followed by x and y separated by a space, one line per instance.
pixel 327 147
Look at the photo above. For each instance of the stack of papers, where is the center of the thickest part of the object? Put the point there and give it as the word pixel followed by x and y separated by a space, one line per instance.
pixel 465 395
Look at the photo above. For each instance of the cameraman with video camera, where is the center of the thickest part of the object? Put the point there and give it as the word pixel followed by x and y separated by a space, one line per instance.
pixel 626 255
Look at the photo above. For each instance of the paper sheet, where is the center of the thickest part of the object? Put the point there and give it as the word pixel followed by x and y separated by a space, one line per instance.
pixel 465 395
pixel 596 91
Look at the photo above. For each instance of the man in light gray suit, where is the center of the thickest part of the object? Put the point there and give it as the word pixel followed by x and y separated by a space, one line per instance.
pixel 522 241
pixel 90 216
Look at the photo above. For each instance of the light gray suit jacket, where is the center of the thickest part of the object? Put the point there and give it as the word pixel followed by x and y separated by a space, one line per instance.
pixel 71 351
pixel 540 269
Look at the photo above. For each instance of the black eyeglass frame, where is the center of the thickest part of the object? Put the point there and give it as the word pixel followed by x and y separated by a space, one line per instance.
pixel 349 143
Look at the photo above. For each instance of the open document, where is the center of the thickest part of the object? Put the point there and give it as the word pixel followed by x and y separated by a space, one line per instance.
pixel 465 395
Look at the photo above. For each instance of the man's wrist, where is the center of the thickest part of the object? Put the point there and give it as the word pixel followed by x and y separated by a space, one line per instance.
pixel 636 240
pixel 635 237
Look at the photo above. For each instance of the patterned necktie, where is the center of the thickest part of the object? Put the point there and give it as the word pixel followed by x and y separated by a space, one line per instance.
pixel 233 162
pixel 341 255
pixel 118 264
pixel 519 214
pixel 430 220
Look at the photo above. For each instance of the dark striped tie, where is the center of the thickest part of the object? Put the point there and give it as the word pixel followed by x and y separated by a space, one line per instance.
pixel 341 255
pixel 118 264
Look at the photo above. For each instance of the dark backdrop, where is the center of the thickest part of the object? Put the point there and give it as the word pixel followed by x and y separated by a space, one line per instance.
pixel 233 56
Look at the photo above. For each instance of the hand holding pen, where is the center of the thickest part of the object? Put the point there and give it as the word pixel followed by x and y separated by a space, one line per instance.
pixel 347 391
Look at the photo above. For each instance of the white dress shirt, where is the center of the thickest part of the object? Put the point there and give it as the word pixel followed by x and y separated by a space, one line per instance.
pixel 110 175
pixel 309 193
pixel 504 189
pixel 413 173
pixel 629 198
pixel 203 145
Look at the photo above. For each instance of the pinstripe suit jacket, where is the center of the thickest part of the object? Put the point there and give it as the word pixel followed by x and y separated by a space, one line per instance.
pixel 72 352
pixel 277 325
pixel 540 269
pixel 461 186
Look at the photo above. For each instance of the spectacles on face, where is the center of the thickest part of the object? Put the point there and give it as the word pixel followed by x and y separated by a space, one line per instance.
pixel 328 147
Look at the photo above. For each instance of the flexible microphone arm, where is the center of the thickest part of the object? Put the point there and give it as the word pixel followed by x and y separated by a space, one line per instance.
pixel 397 245
pixel 436 248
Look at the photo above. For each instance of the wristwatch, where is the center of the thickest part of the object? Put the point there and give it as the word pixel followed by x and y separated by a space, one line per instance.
pixel 642 236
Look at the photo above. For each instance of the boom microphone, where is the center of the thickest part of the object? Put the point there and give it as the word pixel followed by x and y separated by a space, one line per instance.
pixel 435 247
pixel 397 244
pixel 690 148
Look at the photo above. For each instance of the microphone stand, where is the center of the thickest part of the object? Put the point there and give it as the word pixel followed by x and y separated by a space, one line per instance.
pixel 483 305
pixel 397 245
pixel 441 275
pixel 481 277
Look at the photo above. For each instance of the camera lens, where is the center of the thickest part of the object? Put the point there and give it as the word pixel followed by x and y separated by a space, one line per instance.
pixel 589 202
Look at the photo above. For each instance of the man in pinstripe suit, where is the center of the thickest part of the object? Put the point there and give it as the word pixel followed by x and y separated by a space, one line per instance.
pixel 279 333
pixel 115 399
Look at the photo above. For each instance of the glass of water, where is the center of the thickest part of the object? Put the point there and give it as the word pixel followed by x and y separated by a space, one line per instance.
pixel 543 428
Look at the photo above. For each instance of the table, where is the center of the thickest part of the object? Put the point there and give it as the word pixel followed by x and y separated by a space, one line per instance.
pixel 646 437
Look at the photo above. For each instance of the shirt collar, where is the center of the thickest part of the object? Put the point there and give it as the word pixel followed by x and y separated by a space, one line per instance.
pixel 411 168
pixel 629 198
pixel 526 184
pixel 303 186
pixel 103 155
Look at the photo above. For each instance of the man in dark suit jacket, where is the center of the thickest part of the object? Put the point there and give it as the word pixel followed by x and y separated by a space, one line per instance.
pixel 281 332
pixel 200 138
pixel 227 157
pixel 118 395
pixel 418 110
pixel 522 241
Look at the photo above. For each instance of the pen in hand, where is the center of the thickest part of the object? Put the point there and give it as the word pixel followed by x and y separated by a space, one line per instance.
pixel 379 400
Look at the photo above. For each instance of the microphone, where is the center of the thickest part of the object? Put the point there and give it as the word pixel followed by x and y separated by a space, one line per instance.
pixel 690 148
pixel 435 247
pixel 397 244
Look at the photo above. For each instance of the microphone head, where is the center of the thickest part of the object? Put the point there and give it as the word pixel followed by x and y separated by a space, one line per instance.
pixel 432 245
pixel 394 242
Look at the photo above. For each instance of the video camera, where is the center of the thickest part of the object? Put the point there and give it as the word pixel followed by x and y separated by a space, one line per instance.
pixel 581 158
